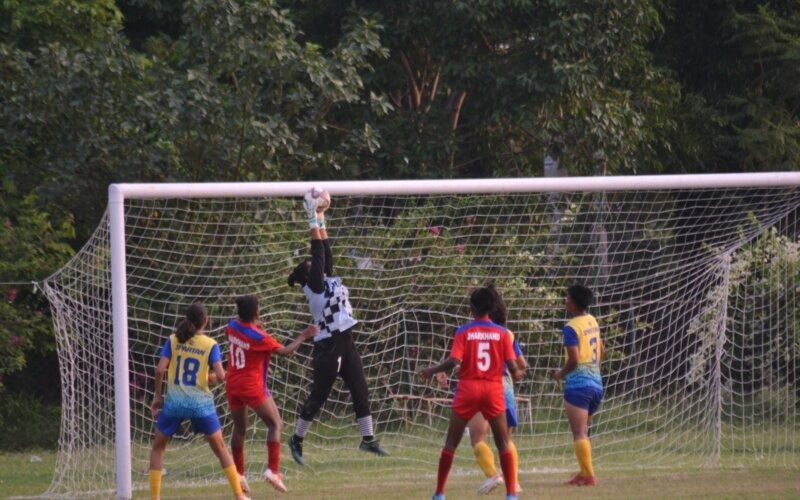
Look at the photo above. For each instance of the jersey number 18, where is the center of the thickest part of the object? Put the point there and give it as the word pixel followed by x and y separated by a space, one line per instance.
pixel 186 372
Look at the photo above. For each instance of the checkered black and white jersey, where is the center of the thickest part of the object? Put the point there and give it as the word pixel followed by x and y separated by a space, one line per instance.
pixel 330 309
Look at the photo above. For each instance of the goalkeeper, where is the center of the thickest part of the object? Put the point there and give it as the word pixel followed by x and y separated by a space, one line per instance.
pixel 335 353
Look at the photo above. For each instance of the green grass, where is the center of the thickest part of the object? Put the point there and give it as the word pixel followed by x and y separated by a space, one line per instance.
pixel 26 473
pixel 391 479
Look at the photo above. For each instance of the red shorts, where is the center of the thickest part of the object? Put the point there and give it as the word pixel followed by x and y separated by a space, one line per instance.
pixel 253 399
pixel 483 396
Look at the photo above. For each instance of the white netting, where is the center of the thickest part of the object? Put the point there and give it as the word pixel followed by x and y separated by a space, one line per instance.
pixel 696 294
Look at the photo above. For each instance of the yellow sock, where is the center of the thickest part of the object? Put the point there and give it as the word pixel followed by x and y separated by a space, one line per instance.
pixel 485 458
pixel 233 479
pixel 155 483
pixel 583 450
pixel 514 456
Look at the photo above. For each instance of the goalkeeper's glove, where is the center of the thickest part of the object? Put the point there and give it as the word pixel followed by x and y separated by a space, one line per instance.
pixel 315 209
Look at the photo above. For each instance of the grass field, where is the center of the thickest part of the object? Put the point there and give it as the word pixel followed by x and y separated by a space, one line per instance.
pixel 28 474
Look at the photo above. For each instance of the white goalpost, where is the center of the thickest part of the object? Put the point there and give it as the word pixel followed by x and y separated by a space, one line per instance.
pixel 696 279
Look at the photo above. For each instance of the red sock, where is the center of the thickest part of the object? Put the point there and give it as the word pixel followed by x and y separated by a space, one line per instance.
pixel 238 459
pixel 445 464
pixel 274 455
pixel 509 471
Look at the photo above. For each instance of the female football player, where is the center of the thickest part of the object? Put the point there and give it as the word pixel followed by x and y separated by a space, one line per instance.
pixel 246 385
pixel 479 427
pixel 481 349
pixel 185 359
pixel 583 384
pixel 335 353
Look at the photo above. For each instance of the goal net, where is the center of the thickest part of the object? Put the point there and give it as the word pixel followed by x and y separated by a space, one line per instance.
pixel 696 282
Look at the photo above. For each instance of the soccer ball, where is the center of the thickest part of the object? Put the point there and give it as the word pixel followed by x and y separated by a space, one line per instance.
pixel 322 199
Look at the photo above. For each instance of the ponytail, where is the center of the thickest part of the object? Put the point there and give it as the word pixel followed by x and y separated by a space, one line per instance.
pixel 196 318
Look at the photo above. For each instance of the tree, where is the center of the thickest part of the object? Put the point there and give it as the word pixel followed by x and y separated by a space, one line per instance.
pixel 235 97
pixel 67 85
pixel 30 24
pixel 486 88
pixel 737 62
pixel 31 248
pixel 248 100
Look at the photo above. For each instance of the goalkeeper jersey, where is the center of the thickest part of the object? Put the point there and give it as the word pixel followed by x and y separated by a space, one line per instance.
pixel 330 309
pixel 328 298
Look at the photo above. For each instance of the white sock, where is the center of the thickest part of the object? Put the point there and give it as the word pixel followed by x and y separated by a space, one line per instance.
pixel 301 429
pixel 365 427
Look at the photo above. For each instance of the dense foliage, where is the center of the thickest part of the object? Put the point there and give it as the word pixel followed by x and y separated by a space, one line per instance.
pixel 30 245
pixel 96 91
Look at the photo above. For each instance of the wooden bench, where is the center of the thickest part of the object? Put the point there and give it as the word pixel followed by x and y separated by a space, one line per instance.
pixel 524 407
pixel 427 401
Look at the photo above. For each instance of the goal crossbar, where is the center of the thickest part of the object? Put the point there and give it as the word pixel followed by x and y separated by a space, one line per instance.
pixel 118 193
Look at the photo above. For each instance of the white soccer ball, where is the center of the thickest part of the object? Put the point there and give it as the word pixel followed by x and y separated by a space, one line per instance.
pixel 322 199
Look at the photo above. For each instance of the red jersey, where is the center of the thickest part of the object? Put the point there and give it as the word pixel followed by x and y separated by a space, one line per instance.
pixel 248 361
pixel 483 348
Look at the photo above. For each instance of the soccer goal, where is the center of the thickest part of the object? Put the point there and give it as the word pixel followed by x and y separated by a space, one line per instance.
pixel 696 280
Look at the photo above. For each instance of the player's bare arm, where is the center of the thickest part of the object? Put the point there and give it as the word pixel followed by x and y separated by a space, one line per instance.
pixel 158 395
pixel 521 362
pixel 446 365
pixel 219 371
pixel 572 362
pixel 306 334
pixel 517 373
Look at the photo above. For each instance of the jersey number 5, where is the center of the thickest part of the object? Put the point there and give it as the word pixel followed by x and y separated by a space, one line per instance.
pixel 484 357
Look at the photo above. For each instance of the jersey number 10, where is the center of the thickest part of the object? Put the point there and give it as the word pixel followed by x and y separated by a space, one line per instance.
pixel 237 357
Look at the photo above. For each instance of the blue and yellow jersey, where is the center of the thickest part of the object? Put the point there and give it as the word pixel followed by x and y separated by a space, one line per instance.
pixel 584 332
pixel 507 380
pixel 188 395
